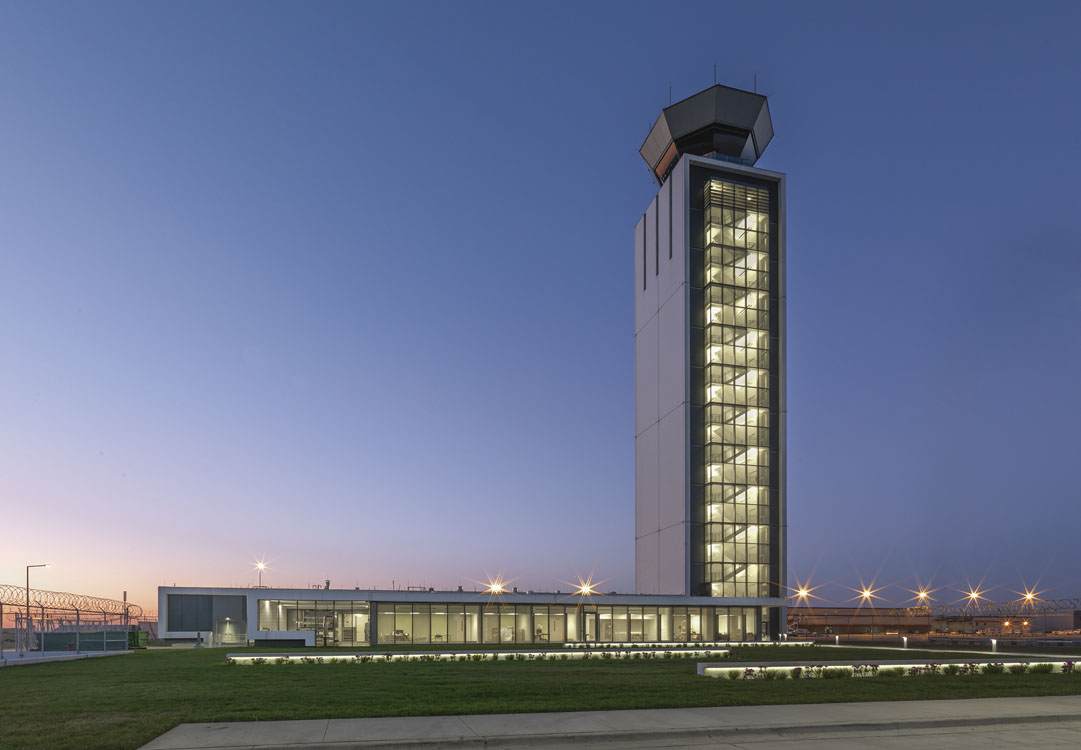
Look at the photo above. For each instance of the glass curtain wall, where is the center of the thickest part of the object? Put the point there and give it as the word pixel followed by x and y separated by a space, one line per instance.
pixel 347 623
pixel 336 623
pixel 737 384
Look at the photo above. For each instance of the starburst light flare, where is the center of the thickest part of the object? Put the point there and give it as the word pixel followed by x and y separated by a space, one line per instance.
pixel 496 586
pixel 866 593
pixel 803 591
pixel 585 588
pixel 972 596
pixel 922 594
pixel 260 565
pixel 1028 598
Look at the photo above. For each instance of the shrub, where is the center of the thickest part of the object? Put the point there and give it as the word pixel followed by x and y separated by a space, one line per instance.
pixel 951 669
pixel 1042 668
pixel 230 662
pixel 1068 668
pixel 732 674
pixel 258 660
pixel 606 655
pixel 992 669
pixel 478 657
pixel 891 672
pixel 1018 668
pixel 797 672
pixel 832 673
pixel 931 668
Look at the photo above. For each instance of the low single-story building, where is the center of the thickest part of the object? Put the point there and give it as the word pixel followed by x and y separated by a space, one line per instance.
pixel 357 617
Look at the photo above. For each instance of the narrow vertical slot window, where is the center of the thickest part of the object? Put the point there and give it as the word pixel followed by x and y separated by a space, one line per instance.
pixel 645 264
pixel 669 220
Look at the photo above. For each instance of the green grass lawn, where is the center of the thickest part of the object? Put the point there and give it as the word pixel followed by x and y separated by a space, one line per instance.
pixel 124 701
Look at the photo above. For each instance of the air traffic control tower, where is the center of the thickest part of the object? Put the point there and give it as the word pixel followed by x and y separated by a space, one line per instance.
pixel 709 274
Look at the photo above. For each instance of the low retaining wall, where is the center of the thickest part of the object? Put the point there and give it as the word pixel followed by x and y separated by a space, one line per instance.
pixel 835 669
pixel 384 656
pixel 39 658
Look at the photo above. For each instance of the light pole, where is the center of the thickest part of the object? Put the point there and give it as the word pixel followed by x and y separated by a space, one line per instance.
pixel 40 565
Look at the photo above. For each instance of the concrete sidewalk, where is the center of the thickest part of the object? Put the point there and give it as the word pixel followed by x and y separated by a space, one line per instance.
pixel 17 659
pixel 684 727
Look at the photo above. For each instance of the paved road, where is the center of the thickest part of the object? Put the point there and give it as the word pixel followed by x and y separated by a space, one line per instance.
pixel 1056 736
pixel 1048 722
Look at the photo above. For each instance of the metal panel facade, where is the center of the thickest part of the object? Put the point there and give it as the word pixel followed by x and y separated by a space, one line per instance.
pixel 661 399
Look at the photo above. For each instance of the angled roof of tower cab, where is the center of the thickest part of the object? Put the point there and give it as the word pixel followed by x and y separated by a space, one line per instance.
pixel 721 120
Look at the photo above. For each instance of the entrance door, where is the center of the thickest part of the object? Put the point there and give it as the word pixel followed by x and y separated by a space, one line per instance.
pixel 590 627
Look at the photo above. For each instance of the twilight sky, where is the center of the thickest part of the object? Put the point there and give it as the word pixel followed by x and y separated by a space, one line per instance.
pixel 349 286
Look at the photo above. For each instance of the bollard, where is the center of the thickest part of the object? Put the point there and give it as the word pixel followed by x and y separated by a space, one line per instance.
pixel 904 638
pixel 994 645
pixel 836 640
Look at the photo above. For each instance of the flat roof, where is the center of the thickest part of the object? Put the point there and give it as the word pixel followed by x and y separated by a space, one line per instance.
pixel 472 597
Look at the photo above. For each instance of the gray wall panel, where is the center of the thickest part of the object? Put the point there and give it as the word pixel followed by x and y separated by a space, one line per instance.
pixel 190 612
pixel 645 384
pixel 646 570
pixel 672 560
pixel 640 316
pixel 671 465
pixel 646 482
pixel 232 607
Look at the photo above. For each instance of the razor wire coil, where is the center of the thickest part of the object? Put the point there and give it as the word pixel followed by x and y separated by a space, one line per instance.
pixel 12 595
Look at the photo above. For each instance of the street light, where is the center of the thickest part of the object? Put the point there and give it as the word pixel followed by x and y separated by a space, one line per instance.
pixel 39 565
pixel 260 565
